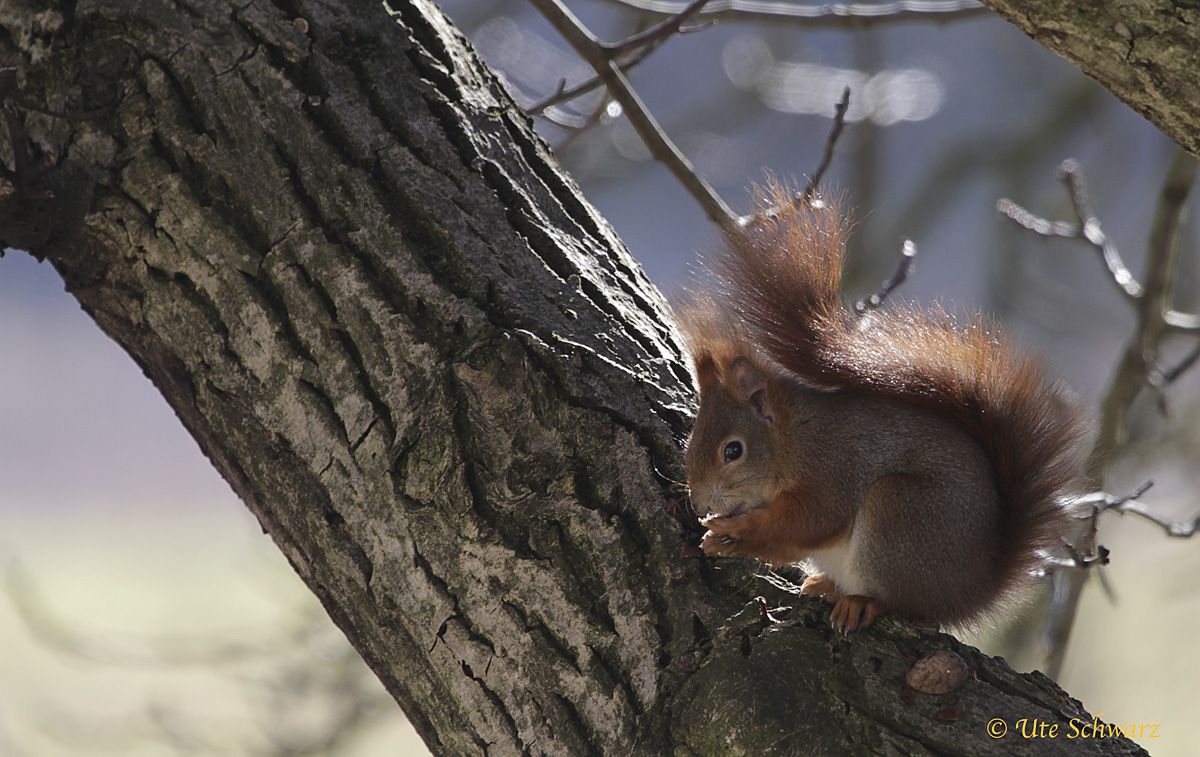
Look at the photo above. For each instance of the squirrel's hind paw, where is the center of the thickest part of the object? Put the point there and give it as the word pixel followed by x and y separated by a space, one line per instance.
pixel 853 612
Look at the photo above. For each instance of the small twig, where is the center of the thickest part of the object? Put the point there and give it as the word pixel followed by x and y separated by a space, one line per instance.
pixel 1089 225
pixel 1036 224
pixel 1178 529
pixel 839 123
pixel 1086 228
pixel 1106 586
pixel 656 34
pixel 825 15
pixel 1131 504
pixel 656 140
pixel 1099 501
pixel 1182 322
pixel 1135 370
pixel 1165 377
pixel 565 94
pixel 1161 378
pixel 809 196
pixel 565 120
pixel 582 128
pixel 642 45
pixel 1137 493
pixel 1099 556
pixel 908 256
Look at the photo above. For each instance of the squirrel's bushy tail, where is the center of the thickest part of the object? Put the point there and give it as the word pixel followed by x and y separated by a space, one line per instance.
pixel 782 278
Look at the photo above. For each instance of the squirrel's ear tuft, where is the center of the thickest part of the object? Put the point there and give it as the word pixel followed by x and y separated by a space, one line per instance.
pixel 707 373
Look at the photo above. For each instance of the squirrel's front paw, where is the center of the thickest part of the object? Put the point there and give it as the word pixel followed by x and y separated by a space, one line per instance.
pixel 719 545
pixel 727 535
pixel 754 533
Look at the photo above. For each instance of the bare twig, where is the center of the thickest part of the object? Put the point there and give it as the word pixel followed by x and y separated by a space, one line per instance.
pixel 908 255
pixel 641 45
pixel 658 33
pixel 601 57
pixel 1136 369
pixel 565 119
pixel 657 142
pixel 824 15
pixel 809 196
pixel 1179 529
pixel 1161 378
pixel 1143 347
pixel 1182 322
pixel 1131 504
pixel 1086 228
pixel 582 128
pixel 1077 559
pixel 566 94
pixel 839 123
pixel 561 94
pixel 1097 501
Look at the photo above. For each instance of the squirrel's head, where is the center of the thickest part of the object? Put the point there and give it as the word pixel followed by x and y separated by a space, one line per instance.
pixel 729 454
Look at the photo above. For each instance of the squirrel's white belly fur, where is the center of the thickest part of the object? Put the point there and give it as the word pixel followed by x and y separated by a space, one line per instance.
pixel 839 563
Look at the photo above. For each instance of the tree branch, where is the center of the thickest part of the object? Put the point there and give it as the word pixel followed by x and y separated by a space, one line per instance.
pixel 824 15
pixel 656 34
pixel 647 127
pixel 642 45
pixel 1146 53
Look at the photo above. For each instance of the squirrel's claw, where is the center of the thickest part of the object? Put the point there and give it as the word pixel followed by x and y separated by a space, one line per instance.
pixel 747 533
pixel 718 545
pixel 726 535
pixel 853 612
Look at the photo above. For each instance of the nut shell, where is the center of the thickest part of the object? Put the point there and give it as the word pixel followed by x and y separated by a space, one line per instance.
pixel 938 673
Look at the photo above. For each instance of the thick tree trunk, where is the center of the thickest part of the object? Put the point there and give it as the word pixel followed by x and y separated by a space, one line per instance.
pixel 439 381
pixel 1146 52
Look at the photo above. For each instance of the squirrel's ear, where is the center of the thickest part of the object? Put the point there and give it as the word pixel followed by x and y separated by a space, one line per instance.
pixel 750 385
pixel 761 407
pixel 746 379
pixel 707 374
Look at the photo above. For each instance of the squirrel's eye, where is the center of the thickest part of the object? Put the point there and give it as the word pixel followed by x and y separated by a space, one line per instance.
pixel 733 451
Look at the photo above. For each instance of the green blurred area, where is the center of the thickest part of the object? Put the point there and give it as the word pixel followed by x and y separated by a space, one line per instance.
pixel 175 634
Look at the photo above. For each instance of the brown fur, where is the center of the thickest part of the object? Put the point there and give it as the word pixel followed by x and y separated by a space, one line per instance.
pixel 778 295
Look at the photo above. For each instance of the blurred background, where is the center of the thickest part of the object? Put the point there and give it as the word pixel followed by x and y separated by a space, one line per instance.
pixel 143 612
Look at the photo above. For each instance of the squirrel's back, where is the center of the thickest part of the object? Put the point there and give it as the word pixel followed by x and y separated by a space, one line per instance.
pixel 780 284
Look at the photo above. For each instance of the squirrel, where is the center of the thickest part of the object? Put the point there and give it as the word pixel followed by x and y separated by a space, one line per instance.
pixel 919 464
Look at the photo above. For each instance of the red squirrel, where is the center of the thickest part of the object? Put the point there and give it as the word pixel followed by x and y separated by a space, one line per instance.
pixel 917 462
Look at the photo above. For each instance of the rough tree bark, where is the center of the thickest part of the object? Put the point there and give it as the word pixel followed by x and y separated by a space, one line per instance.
pixel 1146 52
pixel 439 381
